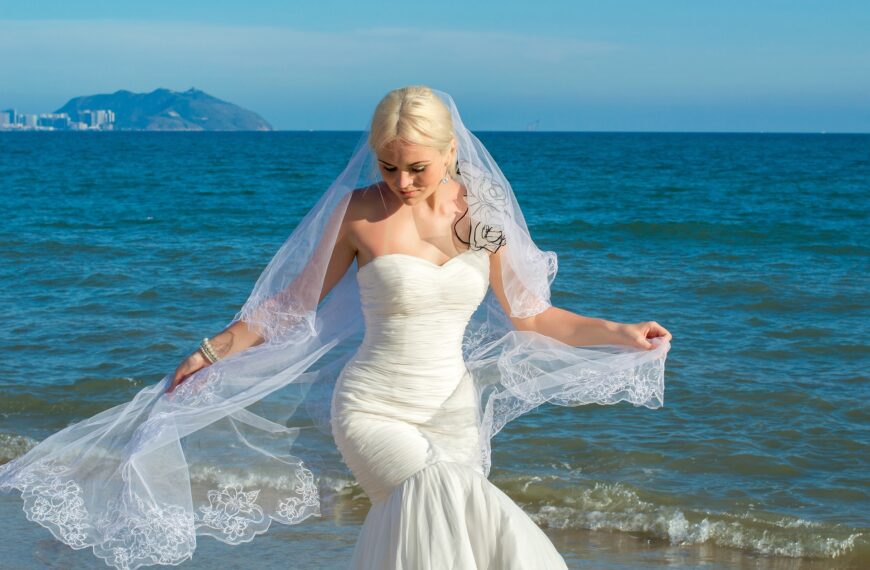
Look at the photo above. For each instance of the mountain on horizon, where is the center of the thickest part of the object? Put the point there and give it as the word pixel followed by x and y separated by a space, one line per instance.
pixel 167 110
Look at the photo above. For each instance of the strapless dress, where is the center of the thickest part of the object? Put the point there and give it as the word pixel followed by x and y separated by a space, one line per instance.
pixel 405 420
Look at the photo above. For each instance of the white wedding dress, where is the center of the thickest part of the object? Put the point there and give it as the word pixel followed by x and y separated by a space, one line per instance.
pixel 404 417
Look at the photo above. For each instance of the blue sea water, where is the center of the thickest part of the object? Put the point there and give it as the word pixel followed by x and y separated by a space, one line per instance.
pixel 120 251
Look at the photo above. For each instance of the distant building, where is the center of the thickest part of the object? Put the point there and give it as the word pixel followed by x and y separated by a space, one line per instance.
pixel 105 116
pixel 97 119
pixel 9 118
pixel 58 121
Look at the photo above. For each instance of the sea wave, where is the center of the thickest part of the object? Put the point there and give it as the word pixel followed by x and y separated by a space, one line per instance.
pixel 615 507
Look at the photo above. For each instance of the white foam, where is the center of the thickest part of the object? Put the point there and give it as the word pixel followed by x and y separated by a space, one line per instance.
pixel 210 475
pixel 614 507
pixel 13 445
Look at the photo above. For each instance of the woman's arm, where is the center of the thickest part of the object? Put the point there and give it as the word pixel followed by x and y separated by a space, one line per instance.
pixel 242 335
pixel 574 329
pixel 301 291
pixel 235 338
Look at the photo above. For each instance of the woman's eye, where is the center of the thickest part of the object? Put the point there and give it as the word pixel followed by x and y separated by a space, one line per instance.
pixel 393 168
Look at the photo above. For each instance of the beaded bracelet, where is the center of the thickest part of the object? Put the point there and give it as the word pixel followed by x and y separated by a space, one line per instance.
pixel 208 351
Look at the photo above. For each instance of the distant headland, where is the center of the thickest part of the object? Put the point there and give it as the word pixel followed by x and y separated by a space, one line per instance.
pixel 160 110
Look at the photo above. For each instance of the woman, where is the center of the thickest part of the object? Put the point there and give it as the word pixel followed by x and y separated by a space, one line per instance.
pixel 460 338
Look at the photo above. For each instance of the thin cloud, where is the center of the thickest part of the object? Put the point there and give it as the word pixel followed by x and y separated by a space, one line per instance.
pixel 53 43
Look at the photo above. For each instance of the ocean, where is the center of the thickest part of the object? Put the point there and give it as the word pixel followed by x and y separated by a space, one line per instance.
pixel 120 251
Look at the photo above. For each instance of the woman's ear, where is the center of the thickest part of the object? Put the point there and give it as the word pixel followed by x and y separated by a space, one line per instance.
pixel 451 152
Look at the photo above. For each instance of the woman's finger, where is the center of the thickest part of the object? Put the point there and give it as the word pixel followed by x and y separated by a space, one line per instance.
pixel 654 329
pixel 178 377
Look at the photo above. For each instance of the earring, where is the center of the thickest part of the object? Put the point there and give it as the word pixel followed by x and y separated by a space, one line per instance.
pixel 445 179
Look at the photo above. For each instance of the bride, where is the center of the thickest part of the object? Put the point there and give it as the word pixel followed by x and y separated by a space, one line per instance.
pixel 459 337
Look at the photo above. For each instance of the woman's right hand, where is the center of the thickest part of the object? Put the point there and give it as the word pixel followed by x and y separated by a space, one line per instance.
pixel 188 366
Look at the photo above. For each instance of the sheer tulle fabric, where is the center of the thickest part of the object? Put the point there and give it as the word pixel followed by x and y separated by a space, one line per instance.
pixel 140 481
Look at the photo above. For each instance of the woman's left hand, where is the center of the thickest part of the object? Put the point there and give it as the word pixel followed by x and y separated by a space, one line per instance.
pixel 637 334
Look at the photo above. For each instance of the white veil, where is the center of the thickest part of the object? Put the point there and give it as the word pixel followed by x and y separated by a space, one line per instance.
pixel 138 482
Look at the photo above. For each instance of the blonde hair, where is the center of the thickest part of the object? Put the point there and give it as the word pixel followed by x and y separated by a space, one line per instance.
pixel 416 115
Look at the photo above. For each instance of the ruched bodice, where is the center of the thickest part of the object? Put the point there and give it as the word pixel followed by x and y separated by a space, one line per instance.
pixel 405 419
pixel 408 376
pixel 416 311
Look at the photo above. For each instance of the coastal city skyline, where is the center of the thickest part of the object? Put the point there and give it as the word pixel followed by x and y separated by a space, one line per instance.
pixel 97 119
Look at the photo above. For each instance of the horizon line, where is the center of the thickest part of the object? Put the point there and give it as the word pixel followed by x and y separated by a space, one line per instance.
pixel 358 131
pixel 598 131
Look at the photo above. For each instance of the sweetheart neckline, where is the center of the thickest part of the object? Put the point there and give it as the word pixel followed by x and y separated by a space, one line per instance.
pixel 417 257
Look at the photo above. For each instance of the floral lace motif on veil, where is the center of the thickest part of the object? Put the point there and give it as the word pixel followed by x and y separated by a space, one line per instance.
pixel 148 533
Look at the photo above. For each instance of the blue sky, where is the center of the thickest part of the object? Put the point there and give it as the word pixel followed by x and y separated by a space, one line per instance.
pixel 619 65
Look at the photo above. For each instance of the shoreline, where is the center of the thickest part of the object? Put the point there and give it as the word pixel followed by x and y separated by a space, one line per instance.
pixel 328 541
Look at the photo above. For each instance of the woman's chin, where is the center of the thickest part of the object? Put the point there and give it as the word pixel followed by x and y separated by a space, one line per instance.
pixel 413 196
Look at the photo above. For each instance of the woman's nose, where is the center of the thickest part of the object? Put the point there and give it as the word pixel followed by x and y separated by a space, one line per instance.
pixel 405 179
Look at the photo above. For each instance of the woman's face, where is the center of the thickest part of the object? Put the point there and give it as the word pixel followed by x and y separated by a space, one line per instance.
pixel 412 171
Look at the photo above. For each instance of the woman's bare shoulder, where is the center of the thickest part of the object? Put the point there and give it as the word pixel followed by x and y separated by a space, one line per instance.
pixel 367 202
